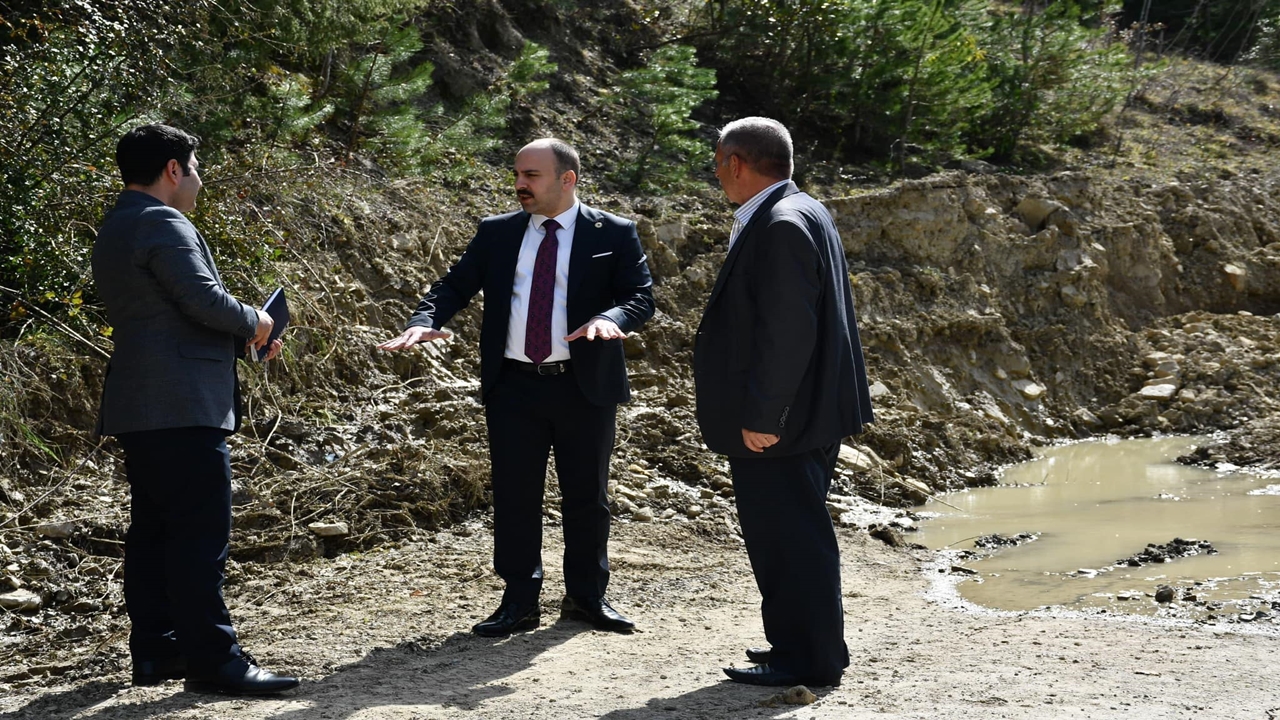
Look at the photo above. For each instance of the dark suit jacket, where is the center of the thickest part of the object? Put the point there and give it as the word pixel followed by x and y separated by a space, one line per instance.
pixel 608 276
pixel 176 329
pixel 778 349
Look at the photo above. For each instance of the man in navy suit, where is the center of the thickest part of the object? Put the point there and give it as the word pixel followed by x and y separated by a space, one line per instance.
pixel 563 283
pixel 780 382
pixel 170 398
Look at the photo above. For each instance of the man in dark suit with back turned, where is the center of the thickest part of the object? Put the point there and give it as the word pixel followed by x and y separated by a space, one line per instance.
pixel 553 267
pixel 780 382
pixel 170 398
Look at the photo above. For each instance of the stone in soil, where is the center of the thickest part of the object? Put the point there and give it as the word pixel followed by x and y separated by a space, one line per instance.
pixel 798 695
pixel 20 600
pixel 889 536
pixel 338 529
pixel 1176 548
pixel 996 540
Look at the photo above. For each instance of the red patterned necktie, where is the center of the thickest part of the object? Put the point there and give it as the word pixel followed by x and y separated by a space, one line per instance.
pixel 542 292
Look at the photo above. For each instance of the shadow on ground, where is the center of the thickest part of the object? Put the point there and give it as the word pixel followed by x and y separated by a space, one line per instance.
pixel 715 702
pixel 459 672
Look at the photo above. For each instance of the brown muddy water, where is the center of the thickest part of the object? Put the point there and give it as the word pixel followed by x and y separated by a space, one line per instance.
pixel 1084 510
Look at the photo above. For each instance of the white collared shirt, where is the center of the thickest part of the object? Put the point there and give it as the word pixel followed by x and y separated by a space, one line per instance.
pixel 743 214
pixel 523 280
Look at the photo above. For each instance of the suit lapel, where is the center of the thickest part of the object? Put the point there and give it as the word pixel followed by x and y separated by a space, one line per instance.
pixel 762 211
pixel 586 239
pixel 507 254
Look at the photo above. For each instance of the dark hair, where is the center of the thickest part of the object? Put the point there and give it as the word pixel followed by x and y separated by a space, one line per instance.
pixel 144 152
pixel 763 144
pixel 566 157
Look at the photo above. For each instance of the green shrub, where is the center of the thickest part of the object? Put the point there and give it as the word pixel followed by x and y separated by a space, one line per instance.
pixel 72 76
pixel 1266 49
pixel 867 78
pixel 659 98
pixel 1217 30
pixel 457 141
pixel 275 88
pixel 1055 78
pixel 375 108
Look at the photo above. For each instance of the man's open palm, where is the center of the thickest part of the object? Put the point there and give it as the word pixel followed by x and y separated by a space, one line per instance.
pixel 413 336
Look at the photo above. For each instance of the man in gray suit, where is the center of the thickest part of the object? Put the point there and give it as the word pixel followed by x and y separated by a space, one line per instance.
pixel 170 398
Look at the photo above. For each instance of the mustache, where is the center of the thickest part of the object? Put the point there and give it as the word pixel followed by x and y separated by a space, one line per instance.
pixel 524 194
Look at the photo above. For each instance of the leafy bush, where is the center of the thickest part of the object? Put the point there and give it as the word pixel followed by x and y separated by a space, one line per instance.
pixel 375 107
pixel 863 75
pixel 659 98
pixel 457 140
pixel 1266 49
pixel 71 77
pixel 274 88
pixel 1217 30
pixel 871 77
pixel 1055 79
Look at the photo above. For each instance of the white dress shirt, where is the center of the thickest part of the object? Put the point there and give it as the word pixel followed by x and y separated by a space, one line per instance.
pixel 520 286
pixel 743 214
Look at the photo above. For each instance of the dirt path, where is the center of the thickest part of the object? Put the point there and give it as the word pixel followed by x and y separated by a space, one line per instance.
pixel 384 636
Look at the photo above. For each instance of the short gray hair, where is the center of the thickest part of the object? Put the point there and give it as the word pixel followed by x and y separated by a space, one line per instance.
pixel 763 144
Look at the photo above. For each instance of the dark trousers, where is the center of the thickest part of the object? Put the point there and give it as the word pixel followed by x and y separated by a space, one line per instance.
pixel 792 545
pixel 528 416
pixel 176 549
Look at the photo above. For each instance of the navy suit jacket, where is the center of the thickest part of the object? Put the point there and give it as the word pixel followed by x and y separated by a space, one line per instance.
pixel 608 276
pixel 777 350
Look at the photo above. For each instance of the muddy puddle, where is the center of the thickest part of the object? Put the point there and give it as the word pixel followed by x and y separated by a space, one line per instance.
pixel 1118 526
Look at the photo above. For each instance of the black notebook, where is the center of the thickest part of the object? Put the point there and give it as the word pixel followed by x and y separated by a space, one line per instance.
pixel 278 308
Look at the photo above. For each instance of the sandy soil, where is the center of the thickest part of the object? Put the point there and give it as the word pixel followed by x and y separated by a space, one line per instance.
pixel 384 635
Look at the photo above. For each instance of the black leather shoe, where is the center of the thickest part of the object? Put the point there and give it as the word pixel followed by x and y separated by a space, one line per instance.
pixel 240 676
pixel 759 655
pixel 510 617
pixel 766 675
pixel 154 672
pixel 597 612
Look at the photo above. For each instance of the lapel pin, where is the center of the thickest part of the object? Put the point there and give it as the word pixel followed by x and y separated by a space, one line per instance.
pixel 599 224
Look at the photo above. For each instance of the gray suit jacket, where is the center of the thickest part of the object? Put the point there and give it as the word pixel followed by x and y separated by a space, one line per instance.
pixel 177 330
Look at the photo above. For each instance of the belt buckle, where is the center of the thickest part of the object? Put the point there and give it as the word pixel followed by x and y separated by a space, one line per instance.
pixel 551 368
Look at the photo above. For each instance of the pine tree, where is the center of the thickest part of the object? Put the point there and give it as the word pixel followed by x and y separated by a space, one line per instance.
pixel 660 97
pixel 375 101
pixel 458 141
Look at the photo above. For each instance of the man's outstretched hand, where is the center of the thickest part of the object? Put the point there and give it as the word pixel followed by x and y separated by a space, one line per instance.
pixel 597 327
pixel 413 336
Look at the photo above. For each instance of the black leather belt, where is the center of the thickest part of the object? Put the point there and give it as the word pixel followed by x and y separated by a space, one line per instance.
pixel 547 368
